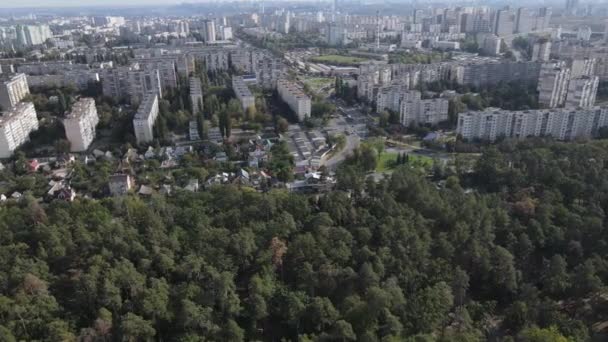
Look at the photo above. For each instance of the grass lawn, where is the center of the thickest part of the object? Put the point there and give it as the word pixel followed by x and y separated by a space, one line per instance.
pixel 387 161
pixel 338 59
pixel 318 83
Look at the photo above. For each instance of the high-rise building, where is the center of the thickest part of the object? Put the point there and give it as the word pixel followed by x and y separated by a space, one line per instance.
pixel 143 122
pixel 80 124
pixel 196 95
pixel 242 92
pixel 489 43
pixel 420 112
pixel 29 35
pixel 553 84
pixel 16 124
pixel 582 92
pixel 559 123
pixel 295 98
pixel 209 31
pixel 541 51
pixel 504 22
pixel 583 67
pixel 606 31
pixel 525 21
pixel 13 88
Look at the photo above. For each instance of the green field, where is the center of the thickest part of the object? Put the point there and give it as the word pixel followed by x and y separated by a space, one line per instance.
pixel 338 60
pixel 387 161
pixel 318 83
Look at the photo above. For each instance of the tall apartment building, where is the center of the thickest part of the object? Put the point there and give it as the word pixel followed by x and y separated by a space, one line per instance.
pixel 30 35
pixel 130 82
pixel 143 122
pixel 420 112
pixel 142 82
pixel 13 88
pixel 166 69
pixel 541 51
pixel 490 44
pixel 583 67
pixel 80 124
pixel 504 22
pixel 553 85
pixel 209 31
pixel 560 123
pixel 242 92
pixel 295 98
pixel 582 92
pixel 16 124
pixel 391 97
pixel 196 95
pixel 268 71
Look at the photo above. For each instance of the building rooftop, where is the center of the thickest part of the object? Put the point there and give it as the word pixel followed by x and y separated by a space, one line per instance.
pixel 80 108
pixel 145 108
pixel 15 111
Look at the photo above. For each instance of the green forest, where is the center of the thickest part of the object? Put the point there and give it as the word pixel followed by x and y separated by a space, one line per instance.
pixel 511 249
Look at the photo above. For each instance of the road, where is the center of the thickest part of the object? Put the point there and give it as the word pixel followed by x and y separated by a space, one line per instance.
pixel 352 142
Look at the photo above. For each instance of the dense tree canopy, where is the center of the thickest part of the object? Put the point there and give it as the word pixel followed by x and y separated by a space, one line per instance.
pixel 516 248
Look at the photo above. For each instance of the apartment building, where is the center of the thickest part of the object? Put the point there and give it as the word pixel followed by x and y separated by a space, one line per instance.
pixel 560 123
pixel 166 69
pixel 582 92
pixel 80 124
pixel 242 92
pixel 391 97
pixel 268 71
pixel 295 98
pixel 196 95
pixel 16 124
pixel 13 88
pixel 583 67
pixel 541 51
pixel 421 112
pixel 143 122
pixel 80 79
pixel 130 82
pixel 553 84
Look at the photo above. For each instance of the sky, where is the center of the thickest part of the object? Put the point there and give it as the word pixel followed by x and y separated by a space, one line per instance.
pixel 77 3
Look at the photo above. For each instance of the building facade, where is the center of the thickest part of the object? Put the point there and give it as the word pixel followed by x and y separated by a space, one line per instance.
pixel 143 122
pixel 295 98
pixel 13 88
pixel 16 124
pixel 559 123
pixel 80 124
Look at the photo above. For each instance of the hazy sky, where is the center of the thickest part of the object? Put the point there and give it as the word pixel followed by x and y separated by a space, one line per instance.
pixel 76 3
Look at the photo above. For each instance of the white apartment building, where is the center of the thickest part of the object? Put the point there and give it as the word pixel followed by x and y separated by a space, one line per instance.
pixel 166 70
pixel 583 67
pixel 196 95
pixel 553 84
pixel 582 92
pixel 242 92
pixel 209 31
pixel 294 97
pixel 430 112
pixel 16 124
pixel 560 123
pixel 391 97
pixel 13 88
pixel 80 124
pixel 541 51
pixel 143 122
